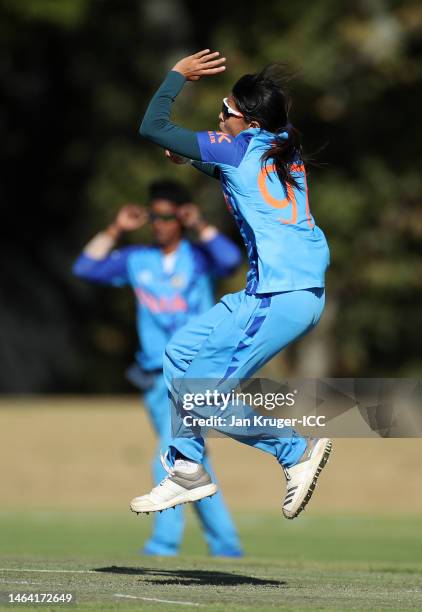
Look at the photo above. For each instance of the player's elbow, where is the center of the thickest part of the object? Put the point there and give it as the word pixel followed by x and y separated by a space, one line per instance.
pixel 81 269
pixel 145 129
pixel 77 269
pixel 150 128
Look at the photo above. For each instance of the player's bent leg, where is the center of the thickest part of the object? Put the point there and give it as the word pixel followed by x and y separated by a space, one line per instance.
pixel 238 346
pixel 292 314
pixel 185 482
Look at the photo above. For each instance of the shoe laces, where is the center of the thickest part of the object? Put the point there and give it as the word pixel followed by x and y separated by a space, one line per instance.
pixel 287 474
pixel 169 470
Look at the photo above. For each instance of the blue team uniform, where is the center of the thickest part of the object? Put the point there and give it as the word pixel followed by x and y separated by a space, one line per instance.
pixel 288 256
pixel 286 250
pixel 165 302
pixel 284 295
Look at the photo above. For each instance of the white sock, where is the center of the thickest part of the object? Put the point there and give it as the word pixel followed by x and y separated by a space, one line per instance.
pixel 183 465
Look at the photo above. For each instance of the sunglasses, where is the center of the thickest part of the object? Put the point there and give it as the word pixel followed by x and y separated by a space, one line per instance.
pixel 156 217
pixel 228 111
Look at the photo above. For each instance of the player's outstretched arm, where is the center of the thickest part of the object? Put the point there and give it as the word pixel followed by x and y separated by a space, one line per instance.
pixel 156 125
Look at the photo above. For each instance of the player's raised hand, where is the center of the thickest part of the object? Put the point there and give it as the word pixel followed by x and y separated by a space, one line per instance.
pixel 203 63
pixel 190 217
pixel 131 217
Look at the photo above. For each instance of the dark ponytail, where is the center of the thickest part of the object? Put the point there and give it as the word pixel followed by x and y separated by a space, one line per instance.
pixel 262 97
pixel 282 154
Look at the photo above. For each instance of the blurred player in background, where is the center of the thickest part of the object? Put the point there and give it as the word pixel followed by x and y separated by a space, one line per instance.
pixel 173 282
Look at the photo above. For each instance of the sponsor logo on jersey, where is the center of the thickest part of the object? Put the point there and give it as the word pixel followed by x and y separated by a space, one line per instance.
pixel 219 137
pixel 173 303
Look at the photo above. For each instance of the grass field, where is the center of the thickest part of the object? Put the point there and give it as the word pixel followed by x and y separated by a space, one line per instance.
pixel 69 467
pixel 327 563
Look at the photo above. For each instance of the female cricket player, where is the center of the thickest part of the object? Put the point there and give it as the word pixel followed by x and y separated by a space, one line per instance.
pixel 172 280
pixel 257 155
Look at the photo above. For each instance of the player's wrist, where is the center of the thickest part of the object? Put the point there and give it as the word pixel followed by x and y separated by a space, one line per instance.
pixel 199 225
pixel 114 231
pixel 207 232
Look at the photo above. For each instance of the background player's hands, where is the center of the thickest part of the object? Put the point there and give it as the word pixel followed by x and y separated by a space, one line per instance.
pixel 203 63
pixel 129 218
pixel 175 157
pixel 190 216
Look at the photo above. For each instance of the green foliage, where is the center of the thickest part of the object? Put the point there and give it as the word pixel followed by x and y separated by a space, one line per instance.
pixel 61 13
pixel 77 75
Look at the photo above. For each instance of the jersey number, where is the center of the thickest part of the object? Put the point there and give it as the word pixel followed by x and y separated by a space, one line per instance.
pixel 289 199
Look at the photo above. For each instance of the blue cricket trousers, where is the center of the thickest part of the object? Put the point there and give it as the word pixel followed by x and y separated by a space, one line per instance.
pixel 232 341
pixel 218 527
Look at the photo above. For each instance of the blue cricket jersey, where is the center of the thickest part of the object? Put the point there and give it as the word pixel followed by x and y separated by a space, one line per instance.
pixel 164 301
pixel 286 250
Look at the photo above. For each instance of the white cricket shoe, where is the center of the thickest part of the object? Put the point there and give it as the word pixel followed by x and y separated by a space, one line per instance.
pixel 186 482
pixel 302 477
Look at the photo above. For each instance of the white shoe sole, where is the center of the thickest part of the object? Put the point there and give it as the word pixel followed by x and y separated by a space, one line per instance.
pixel 324 457
pixel 183 498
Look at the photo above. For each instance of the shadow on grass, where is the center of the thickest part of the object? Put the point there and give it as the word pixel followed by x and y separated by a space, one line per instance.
pixel 189 577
